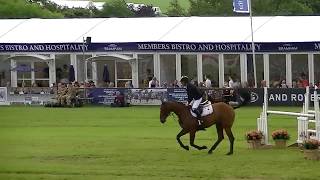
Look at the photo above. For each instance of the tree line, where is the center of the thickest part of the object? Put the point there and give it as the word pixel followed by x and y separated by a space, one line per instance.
pixel 119 8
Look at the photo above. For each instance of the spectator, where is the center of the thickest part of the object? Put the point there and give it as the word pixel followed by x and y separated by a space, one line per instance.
pixel 111 85
pixel 294 84
pixel 303 80
pixel 175 84
pixel 207 82
pixel 226 84
pixel 246 85
pixel 164 85
pixel 263 84
pixel 283 84
pixel 236 84
pixel 153 83
pixel 230 83
pixel 128 84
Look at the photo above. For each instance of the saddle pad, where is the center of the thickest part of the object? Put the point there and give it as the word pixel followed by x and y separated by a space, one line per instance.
pixel 206 110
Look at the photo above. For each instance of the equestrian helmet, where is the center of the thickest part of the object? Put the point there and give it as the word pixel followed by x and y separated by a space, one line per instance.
pixel 184 79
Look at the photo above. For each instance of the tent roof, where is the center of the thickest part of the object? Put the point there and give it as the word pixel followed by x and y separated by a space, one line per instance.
pixel 162 29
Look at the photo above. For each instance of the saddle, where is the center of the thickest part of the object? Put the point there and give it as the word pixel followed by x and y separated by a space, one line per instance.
pixel 205 109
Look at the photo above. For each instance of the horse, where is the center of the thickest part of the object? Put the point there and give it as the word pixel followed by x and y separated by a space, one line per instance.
pixel 223 117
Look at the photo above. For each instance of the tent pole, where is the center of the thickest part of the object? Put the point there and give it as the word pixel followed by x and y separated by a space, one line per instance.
pixel 253 47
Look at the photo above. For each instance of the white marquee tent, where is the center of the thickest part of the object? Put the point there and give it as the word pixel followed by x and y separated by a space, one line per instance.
pixel 299 34
pixel 165 29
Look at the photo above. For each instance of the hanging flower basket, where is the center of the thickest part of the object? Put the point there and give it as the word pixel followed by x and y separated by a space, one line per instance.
pixel 311 154
pixel 254 144
pixel 280 137
pixel 280 143
pixel 254 139
pixel 311 149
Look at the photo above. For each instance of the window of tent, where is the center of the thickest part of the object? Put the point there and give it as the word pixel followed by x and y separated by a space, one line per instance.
pixel 189 66
pixel 317 69
pixel 277 69
pixel 124 72
pixel 5 71
pixel 81 63
pixel 299 64
pixel 167 68
pixel 210 68
pixel 62 62
pixel 111 69
pixel 41 72
pixel 232 67
pixel 146 69
pixel 259 69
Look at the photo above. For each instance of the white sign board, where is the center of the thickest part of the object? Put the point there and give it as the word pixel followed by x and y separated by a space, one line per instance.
pixel 3 96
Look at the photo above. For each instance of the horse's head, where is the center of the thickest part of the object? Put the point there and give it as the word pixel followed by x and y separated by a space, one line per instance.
pixel 164 112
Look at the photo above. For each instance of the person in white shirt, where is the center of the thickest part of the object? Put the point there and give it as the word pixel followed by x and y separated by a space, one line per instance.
pixel 153 83
pixel 207 82
pixel 230 85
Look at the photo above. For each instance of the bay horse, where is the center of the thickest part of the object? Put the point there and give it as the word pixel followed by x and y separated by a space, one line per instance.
pixel 223 116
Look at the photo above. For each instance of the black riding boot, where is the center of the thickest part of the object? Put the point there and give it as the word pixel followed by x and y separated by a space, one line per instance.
pixel 198 113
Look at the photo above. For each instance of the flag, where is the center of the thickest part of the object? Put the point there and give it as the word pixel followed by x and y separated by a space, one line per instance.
pixel 241 6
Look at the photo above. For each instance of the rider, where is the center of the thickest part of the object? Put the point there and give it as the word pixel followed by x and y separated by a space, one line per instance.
pixel 194 95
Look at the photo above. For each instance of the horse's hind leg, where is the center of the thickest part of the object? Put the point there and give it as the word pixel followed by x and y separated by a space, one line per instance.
pixel 192 137
pixel 181 133
pixel 220 138
pixel 231 139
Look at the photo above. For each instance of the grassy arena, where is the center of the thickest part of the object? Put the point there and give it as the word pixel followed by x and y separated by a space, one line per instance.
pixel 130 143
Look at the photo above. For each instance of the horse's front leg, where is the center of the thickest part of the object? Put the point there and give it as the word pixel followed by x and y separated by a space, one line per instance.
pixel 192 137
pixel 181 133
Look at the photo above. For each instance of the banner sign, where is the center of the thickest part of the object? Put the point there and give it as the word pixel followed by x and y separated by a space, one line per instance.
pixel 3 95
pixel 177 94
pixel 241 6
pixel 281 96
pixel 161 47
pixel 104 95
pixel 133 96
pixel 277 96
pixel 146 96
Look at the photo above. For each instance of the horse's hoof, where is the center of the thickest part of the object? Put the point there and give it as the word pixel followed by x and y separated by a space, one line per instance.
pixel 204 147
pixel 210 152
pixel 229 153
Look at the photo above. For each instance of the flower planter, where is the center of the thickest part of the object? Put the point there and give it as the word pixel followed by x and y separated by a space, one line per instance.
pixel 311 154
pixel 254 144
pixel 280 143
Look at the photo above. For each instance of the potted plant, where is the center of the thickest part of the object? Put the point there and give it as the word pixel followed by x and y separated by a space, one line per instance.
pixel 280 137
pixel 253 138
pixel 311 149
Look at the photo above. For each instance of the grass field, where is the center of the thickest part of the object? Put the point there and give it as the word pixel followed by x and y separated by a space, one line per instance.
pixel 130 143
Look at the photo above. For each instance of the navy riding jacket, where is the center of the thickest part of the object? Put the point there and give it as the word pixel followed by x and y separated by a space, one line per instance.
pixel 193 92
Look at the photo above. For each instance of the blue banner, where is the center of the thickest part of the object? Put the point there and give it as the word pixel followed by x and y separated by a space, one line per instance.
pixel 136 96
pixel 162 47
pixel 241 6
pixel 177 94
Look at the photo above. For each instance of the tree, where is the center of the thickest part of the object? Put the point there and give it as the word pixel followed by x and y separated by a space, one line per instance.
pixel 210 7
pixel 280 7
pixel 115 8
pixel 25 9
pixel 175 9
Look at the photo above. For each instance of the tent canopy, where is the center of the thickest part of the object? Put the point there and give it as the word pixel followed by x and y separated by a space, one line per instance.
pixel 30 58
pixel 162 29
pixel 110 57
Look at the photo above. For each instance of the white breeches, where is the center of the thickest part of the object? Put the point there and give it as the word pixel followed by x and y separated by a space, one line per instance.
pixel 195 103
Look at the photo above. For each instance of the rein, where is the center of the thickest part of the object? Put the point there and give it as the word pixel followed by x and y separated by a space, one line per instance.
pixel 173 116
